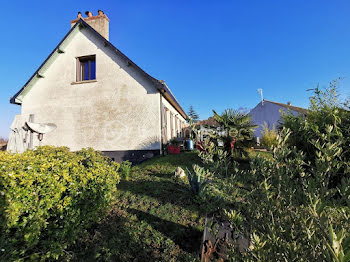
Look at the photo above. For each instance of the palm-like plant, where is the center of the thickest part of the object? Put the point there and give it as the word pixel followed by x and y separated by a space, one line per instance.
pixel 239 130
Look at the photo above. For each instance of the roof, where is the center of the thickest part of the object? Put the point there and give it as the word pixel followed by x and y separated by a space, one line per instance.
pixel 293 108
pixel 208 122
pixel 59 49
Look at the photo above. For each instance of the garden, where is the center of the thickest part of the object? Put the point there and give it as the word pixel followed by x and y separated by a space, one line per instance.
pixel 229 203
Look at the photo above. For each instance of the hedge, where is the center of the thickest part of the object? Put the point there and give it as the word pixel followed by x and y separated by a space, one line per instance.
pixel 48 197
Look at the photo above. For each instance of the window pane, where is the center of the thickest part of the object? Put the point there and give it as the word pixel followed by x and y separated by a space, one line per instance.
pixel 81 73
pixel 93 69
pixel 86 70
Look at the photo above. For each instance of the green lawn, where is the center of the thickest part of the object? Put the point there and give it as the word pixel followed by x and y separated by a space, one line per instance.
pixel 155 218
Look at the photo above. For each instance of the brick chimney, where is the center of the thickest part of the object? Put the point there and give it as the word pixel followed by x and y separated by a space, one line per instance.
pixel 100 22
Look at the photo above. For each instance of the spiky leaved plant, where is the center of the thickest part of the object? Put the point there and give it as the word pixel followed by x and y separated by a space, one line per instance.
pixel 239 130
pixel 199 179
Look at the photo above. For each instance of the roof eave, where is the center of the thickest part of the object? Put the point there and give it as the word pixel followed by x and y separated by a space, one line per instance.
pixel 160 86
pixel 168 96
pixel 14 100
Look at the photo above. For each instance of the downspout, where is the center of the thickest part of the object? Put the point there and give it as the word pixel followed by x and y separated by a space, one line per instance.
pixel 161 122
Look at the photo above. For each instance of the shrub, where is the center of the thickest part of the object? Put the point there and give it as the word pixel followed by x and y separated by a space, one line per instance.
pixel 296 205
pixel 327 122
pixel 238 131
pixel 174 142
pixel 269 137
pixel 290 213
pixel 125 169
pixel 48 197
pixel 284 205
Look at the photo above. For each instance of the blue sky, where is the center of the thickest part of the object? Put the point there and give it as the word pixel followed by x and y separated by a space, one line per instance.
pixel 212 54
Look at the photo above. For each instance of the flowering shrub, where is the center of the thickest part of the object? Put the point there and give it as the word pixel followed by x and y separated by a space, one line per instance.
pixel 48 197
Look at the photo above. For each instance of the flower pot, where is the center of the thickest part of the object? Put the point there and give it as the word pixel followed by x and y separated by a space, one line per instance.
pixel 189 144
pixel 173 149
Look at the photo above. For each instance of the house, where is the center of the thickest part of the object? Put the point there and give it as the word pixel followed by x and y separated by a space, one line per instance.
pixel 3 144
pixel 97 97
pixel 270 112
pixel 206 127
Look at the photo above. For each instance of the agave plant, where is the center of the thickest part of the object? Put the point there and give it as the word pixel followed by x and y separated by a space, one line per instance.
pixel 199 179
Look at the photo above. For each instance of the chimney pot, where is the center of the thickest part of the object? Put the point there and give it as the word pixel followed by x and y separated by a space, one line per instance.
pixel 99 22
pixel 88 13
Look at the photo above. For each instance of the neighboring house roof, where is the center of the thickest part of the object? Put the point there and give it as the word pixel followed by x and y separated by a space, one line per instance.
pixel 3 146
pixel 293 108
pixel 159 84
pixel 211 122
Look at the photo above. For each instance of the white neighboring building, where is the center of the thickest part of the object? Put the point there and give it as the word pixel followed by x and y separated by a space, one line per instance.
pixel 270 112
pixel 99 98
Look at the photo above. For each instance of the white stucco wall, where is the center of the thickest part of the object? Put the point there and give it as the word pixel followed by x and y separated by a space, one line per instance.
pixel 120 111
pixel 268 113
pixel 176 117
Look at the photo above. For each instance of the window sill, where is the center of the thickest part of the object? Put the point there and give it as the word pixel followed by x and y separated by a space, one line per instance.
pixel 84 82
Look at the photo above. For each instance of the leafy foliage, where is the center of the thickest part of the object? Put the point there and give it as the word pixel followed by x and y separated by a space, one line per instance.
pixel 174 141
pixel 326 123
pixel 269 137
pixel 48 197
pixel 290 209
pixel 125 169
pixel 295 205
pixel 238 131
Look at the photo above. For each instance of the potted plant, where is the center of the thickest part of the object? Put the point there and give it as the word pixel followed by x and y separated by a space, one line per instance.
pixel 174 146
pixel 192 134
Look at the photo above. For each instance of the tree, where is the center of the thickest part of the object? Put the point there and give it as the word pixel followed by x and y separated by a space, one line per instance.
pixel 192 114
pixel 239 130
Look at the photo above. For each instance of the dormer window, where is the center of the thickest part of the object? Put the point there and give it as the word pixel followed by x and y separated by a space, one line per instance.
pixel 86 68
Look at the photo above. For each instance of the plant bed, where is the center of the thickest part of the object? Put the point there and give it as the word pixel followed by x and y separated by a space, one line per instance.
pixel 219 236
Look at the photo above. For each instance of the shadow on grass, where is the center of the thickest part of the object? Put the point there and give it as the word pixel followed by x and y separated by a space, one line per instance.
pixel 164 191
pixel 178 194
pixel 111 240
pixel 187 238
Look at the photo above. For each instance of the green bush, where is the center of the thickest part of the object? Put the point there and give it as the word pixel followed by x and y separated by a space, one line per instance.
pixel 326 123
pixel 125 169
pixel 289 212
pixel 294 206
pixel 269 137
pixel 48 197
pixel 238 133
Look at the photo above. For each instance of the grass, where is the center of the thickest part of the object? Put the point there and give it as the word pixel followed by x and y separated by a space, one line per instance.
pixel 155 218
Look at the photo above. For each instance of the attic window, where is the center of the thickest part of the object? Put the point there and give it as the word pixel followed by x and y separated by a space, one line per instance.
pixel 86 68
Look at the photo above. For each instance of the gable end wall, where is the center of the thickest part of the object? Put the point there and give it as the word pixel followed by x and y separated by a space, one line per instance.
pixel 118 112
